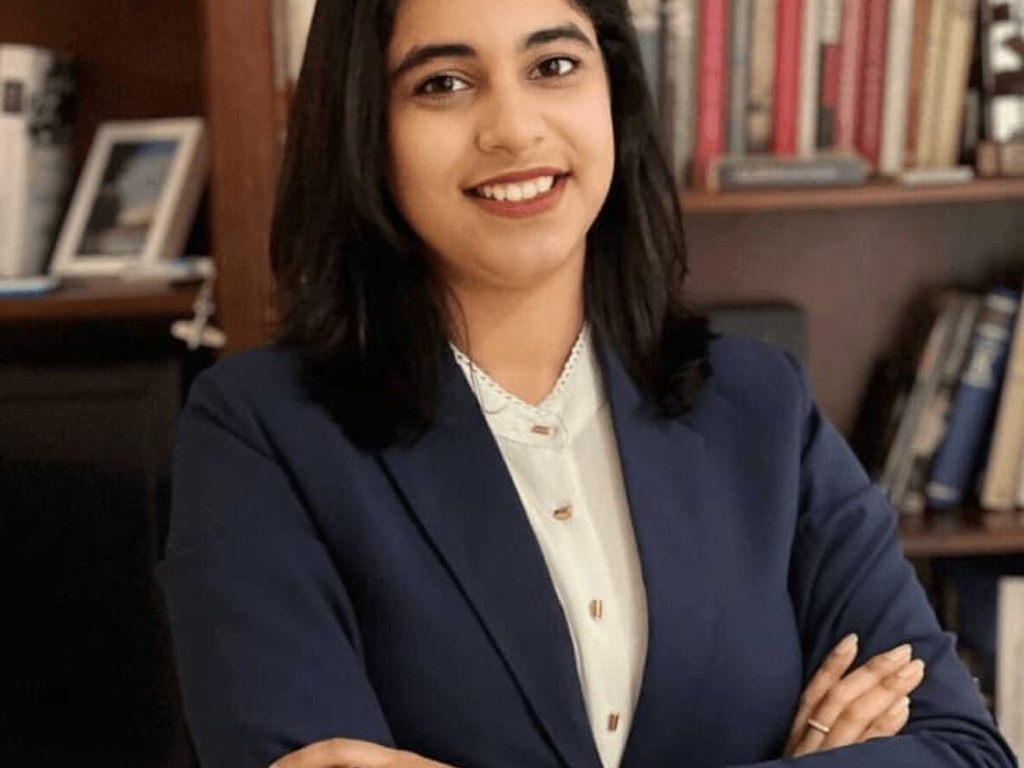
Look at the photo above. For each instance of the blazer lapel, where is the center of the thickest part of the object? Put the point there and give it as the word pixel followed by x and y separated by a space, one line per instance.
pixel 663 463
pixel 456 483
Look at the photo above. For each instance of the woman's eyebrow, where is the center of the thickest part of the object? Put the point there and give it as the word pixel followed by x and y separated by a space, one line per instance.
pixel 421 54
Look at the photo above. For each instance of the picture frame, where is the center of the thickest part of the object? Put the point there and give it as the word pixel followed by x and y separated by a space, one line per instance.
pixel 136 198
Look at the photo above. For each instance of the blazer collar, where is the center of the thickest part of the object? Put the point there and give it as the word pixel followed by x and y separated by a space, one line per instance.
pixel 457 485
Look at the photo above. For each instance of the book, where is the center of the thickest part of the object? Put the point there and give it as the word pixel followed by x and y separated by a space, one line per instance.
pixel 290 22
pixel 646 15
pixel 851 50
pixel 999 487
pixel 739 69
pixel 910 493
pixel 931 85
pixel 771 171
pixel 896 88
pixel 919 44
pixel 1010 661
pixel 828 66
pixel 709 141
pixel 679 63
pixel 36 134
pixel 786 91
pixel 970 418
pixel 953 81
pixel 761 78
pixel 872 88
pixel 926 377
pixel 810 78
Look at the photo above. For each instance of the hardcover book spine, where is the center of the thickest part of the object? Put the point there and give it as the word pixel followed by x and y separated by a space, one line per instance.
pixel 1003 57
pixel 787 76
pixel 810 76
pixel 872 85
pixel 927 118
pixel 925 378
pixel 934 420
pixel 646 15
pixel 896 87
pixel 711 80
pixel 739 68
pixel 828 65
pixel 953 80
pixel 998 490
pixel 919 44
pixel 678 84
pixel 1010 661
pixel 850 60
pixel 761 78
pixel 957 459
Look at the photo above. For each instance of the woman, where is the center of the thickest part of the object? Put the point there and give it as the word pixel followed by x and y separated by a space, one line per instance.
pixel 497 498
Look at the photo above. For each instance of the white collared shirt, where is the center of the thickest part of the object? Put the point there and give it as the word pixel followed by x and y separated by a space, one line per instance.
pixel 564 462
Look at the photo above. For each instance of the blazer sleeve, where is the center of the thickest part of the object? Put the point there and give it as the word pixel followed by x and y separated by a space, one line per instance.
pixel 268 653
pixel 848 573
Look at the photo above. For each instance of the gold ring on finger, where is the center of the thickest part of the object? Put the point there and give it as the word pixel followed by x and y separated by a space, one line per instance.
pixel 819 727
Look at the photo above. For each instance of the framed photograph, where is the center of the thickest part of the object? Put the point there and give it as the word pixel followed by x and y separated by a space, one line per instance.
pixel 136 198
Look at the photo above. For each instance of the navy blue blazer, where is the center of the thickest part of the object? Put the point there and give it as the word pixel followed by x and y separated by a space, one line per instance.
pixel 316 590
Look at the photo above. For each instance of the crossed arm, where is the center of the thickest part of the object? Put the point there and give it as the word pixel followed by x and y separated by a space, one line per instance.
pixel 838 708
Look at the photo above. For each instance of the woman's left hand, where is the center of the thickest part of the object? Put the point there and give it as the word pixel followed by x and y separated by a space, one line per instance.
pixel 352 753
pixel 839 709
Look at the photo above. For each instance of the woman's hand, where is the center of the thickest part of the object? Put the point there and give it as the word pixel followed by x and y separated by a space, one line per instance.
pixel 868 703
pixel 352 753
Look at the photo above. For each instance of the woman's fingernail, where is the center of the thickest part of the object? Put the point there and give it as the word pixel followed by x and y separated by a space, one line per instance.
pixel 900 706
pixel 901 653
pixel 847 644
pixel 913 669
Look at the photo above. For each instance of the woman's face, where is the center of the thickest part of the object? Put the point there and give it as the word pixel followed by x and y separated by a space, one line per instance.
pixel 500 134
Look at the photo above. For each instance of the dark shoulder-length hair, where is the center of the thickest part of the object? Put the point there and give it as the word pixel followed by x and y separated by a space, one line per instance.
pixel 359 304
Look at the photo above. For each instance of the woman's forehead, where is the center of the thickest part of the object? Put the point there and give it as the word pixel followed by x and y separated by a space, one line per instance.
pixel 418 22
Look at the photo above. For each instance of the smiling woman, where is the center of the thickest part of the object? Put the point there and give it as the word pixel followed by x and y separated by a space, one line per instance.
pixel 497 498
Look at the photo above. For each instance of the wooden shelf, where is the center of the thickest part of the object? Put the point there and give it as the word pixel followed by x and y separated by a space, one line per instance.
pixel 101 300
pixel 964 534
pixel 870 195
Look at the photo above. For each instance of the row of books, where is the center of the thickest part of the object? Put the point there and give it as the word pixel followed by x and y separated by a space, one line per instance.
pixel 955 432
pixel 832 91
pixel 38 90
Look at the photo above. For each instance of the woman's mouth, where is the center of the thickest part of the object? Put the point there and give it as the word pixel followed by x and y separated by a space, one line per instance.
pixel 520 198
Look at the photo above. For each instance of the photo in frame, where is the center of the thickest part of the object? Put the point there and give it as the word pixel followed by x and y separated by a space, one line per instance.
pixel 136 198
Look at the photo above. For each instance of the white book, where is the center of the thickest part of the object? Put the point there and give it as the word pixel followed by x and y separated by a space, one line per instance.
pixel 678 85
pixel 810 72
pixel 931 84
pixel 35 155
pixel 1010 662
pixel 897 87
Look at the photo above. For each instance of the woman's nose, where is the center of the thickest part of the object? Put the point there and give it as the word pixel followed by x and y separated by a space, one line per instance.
pixel 510 120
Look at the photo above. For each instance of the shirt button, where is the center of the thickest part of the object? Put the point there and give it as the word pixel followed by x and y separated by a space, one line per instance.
pixel 613 722
pixel 542 429
pixel 563 513
pixel 596 609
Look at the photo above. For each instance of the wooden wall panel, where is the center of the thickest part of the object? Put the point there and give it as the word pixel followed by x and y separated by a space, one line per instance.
pixel 854 271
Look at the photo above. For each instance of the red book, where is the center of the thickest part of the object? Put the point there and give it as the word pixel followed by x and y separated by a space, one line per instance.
pixel 788 23
pixel 876 30
pixel 712 48
pixel 828 86
pixel 850 57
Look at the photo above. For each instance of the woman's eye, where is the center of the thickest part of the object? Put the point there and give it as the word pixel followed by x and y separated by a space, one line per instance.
pixel 441 85
pixel 558 66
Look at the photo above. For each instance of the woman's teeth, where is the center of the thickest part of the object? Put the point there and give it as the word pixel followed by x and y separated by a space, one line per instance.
pixel 515 193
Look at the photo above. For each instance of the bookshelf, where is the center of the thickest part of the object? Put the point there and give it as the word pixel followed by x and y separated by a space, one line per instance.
pixel 965 533
pixel 101 300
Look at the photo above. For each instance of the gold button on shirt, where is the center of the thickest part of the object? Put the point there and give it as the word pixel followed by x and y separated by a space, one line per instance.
pixel 564 462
